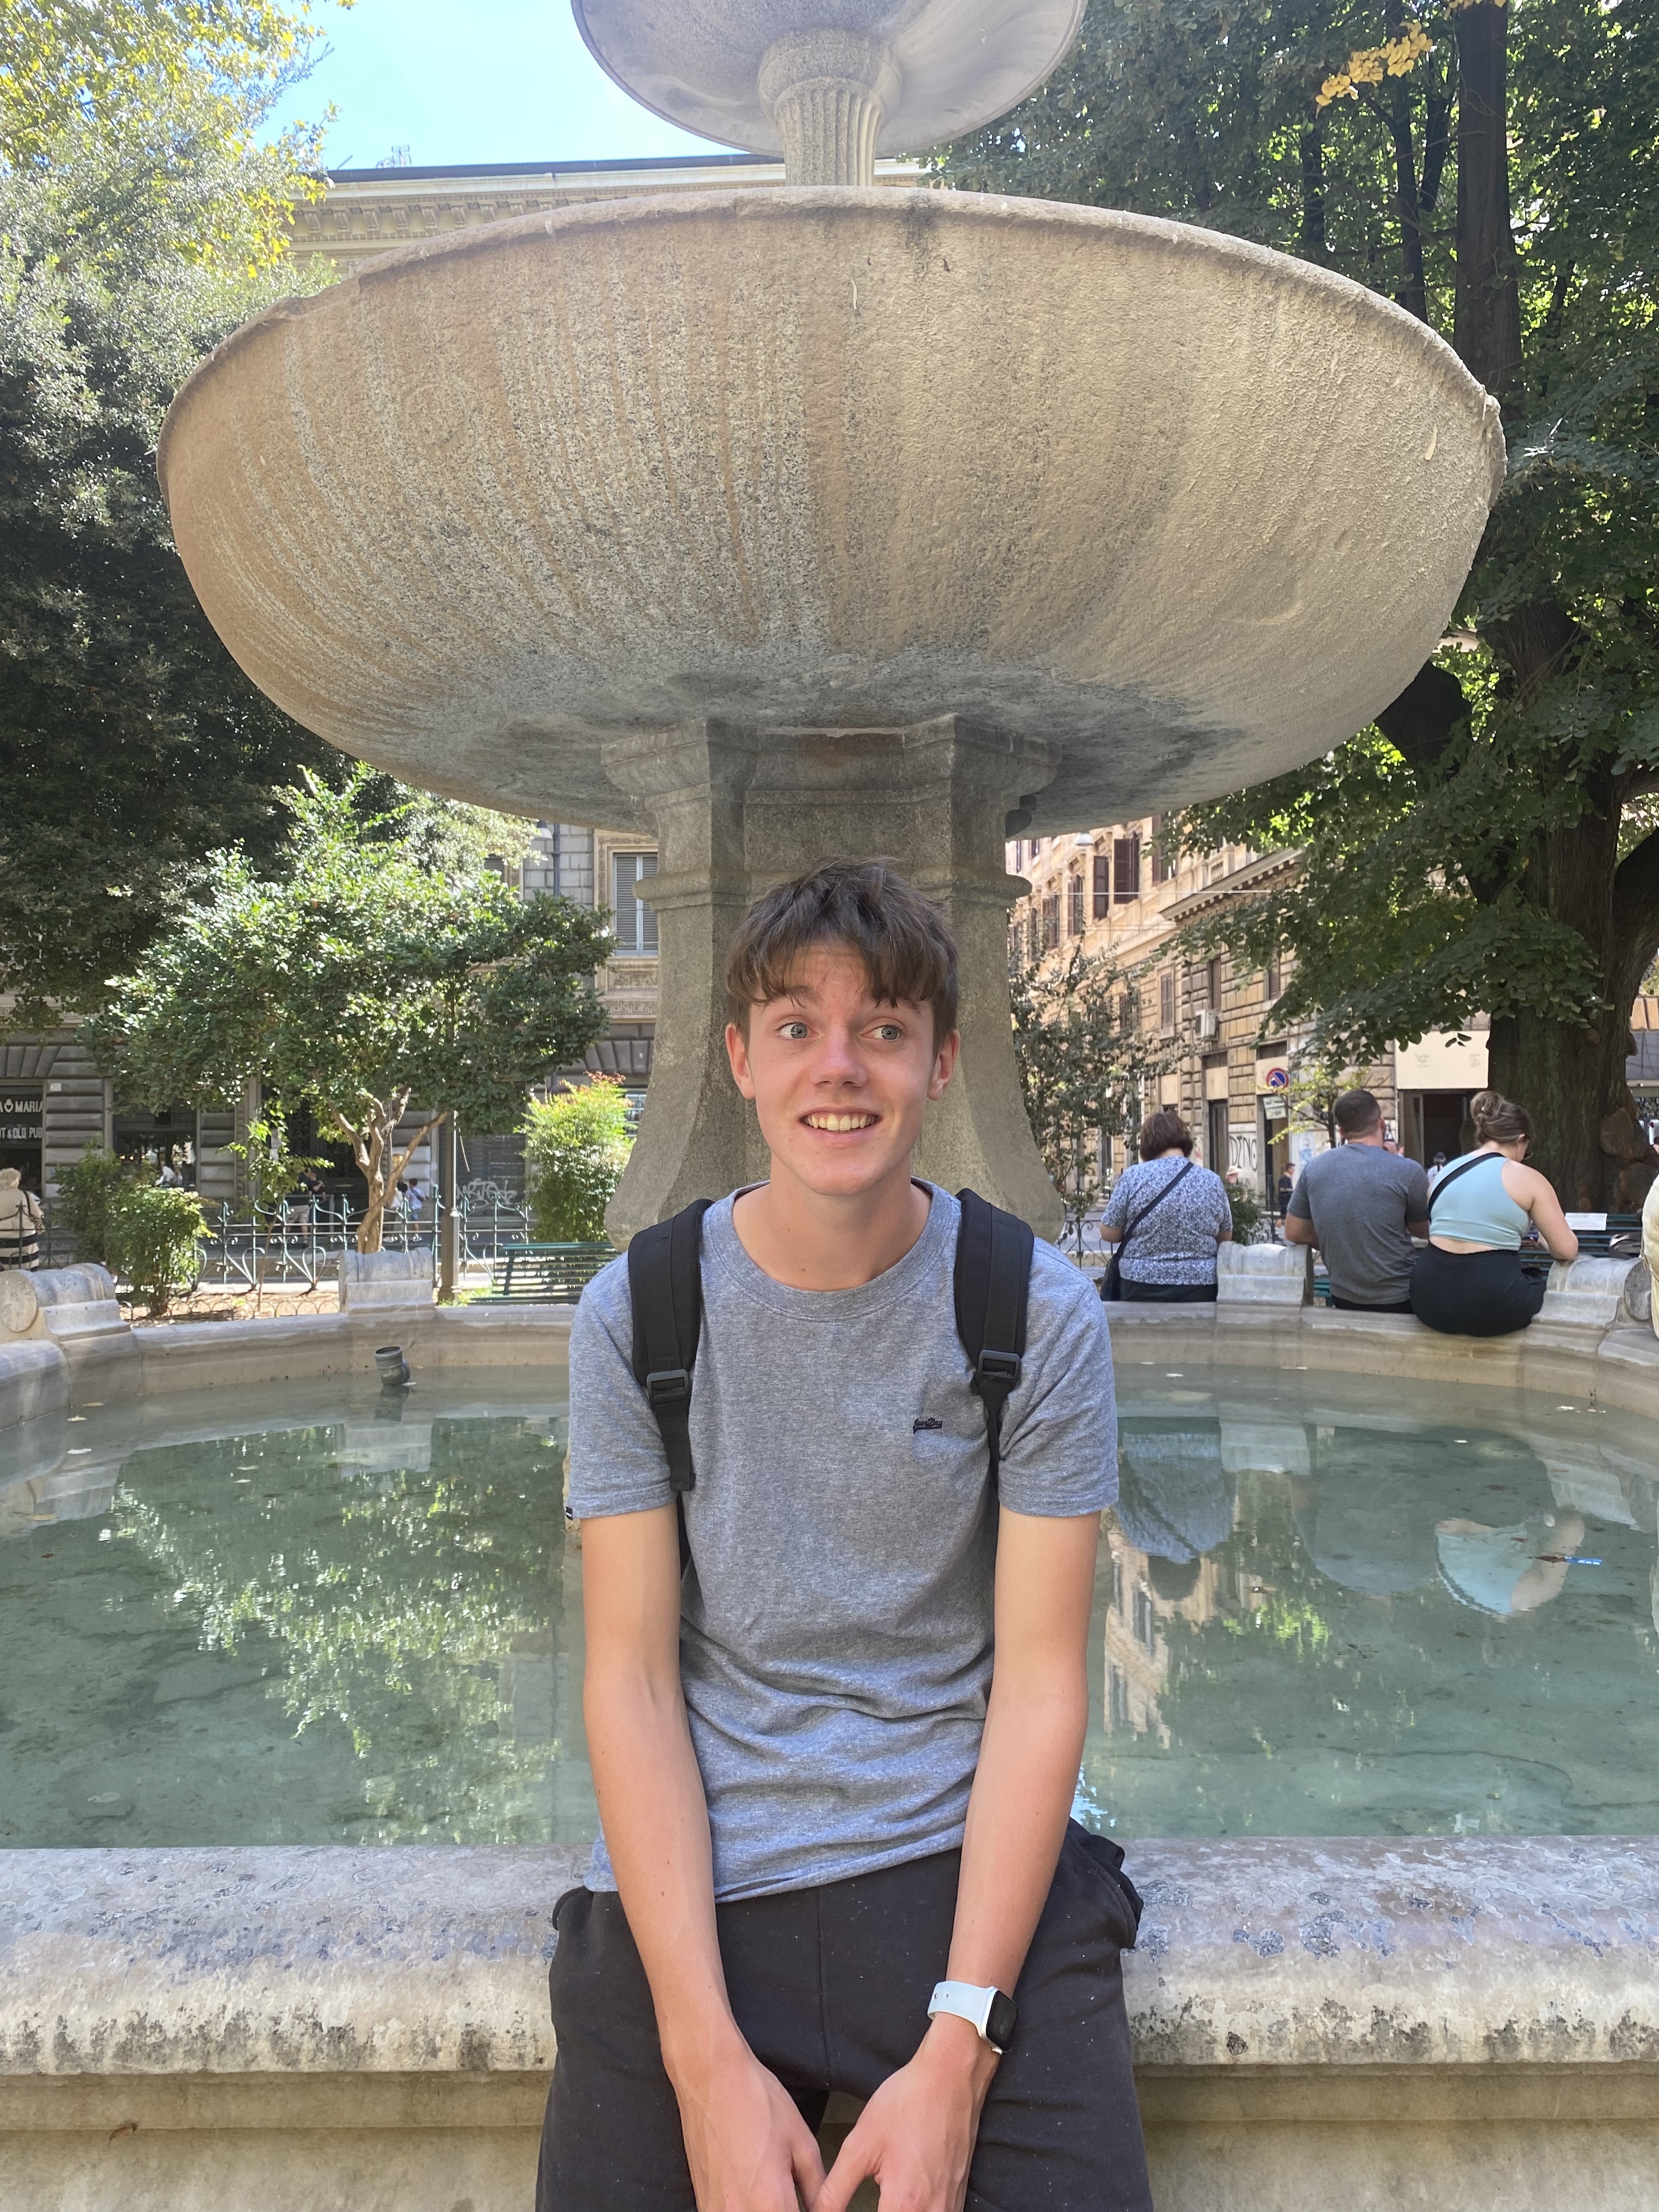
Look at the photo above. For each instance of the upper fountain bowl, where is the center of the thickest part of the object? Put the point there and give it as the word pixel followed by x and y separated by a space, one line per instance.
pixel 948 66
pixel 1187 511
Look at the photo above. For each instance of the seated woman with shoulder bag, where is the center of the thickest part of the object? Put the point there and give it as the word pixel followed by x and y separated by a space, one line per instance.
pixel 1470 1281
pixel 1166 1217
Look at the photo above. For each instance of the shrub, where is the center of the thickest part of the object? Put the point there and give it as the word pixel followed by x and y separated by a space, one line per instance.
pixel 152 1238
pixel 88 1196
pixel 576 1147
pixel 1246 1210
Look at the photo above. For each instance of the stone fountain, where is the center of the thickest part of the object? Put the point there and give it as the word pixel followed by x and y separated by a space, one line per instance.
pixel 831 520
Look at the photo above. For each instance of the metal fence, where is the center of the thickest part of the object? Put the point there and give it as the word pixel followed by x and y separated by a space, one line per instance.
pixel 298 1244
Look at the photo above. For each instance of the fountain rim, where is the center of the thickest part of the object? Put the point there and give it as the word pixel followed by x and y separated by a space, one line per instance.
pixel 767 139
pixel 908 209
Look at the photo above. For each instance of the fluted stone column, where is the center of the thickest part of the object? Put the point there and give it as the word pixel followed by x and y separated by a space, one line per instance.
pixel 733 814
pixel 827 92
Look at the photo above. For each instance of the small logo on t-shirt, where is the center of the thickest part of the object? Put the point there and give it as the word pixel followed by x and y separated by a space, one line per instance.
pixel 926 1422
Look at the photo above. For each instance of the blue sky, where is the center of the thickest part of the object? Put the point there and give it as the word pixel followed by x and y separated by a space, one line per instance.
pixel 471 81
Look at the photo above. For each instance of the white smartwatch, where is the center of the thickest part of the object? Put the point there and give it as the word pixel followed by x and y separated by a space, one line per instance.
pixel 989 2011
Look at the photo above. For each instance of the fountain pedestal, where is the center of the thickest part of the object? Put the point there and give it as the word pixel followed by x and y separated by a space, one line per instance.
pixel 733 814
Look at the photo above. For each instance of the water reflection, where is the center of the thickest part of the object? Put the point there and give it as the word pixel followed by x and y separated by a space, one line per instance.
pixel 1321 1616
pixel 338 1622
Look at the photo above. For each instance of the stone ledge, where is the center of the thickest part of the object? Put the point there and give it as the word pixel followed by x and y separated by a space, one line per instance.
pixel 1466 2025
pixel 1483 1952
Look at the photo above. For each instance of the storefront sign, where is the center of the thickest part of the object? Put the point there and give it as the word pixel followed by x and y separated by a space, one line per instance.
pixel 20 1114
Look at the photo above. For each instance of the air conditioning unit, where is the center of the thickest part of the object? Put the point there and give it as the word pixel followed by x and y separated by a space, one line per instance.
pixel 1209 1024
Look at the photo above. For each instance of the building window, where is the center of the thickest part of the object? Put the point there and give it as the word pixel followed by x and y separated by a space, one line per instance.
pixel 1074 905
pixel 1145 1622
pixel 1102 887
pixel 1033 936
pixel 1212 985
pixel 1272 980
pixel 634 922
pixel 1020 848
pixel 1117 1585
pixel 1125 869
pixel 1117 1700
pixel 1051 921
pixel 1166 1000
pixel 1129 1012
pixel 1162 871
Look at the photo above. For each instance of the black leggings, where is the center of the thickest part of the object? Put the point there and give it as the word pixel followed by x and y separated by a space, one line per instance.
pixel 1166 1294
pixel 830 1988
pixel 1475 1293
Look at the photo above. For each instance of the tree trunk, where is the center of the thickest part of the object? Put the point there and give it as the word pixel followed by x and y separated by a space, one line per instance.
pixel 1413 293
pixel 1570 1077
pixel 1486 329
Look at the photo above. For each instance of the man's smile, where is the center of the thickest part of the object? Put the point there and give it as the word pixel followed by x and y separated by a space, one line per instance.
pixel 840 1125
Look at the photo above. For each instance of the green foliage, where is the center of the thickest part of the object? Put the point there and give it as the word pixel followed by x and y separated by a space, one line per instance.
pixel 361 980
pixel 1246 1208
pixel 89 1195
pixel 1492 846
pixel 272 1168
pixel 154 1235
pixel 141 220
pixel 1085 1067
pixel 576 1147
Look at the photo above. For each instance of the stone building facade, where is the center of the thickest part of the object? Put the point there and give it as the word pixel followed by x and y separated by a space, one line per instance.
pixel 1114 890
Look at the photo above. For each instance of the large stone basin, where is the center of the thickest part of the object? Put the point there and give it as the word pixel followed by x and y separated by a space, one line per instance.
pixel 1185 510
pixel 822 520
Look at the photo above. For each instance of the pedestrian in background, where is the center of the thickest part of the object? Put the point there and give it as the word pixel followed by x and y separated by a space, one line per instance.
pixel 1166 1217
pixel 21 1222
pixel 1361 1204
pixel 1470 1281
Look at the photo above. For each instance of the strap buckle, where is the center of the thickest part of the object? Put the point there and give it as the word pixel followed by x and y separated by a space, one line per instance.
pixel 669 1385
pixel 1003 1367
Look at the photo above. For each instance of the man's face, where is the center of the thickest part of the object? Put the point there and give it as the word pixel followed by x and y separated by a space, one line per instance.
pixel 840 1081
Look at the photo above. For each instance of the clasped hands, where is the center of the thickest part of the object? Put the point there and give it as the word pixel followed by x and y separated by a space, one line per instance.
pixel 750 2151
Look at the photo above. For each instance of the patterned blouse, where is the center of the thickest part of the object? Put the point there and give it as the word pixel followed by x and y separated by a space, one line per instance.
pixel 1176 1242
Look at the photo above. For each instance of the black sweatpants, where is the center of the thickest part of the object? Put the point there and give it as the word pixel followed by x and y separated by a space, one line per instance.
pixel 1475 1293
pixel 830 1988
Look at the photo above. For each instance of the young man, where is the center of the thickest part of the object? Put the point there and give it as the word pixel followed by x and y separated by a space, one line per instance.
pixel 819 1799
pixel 1361 1204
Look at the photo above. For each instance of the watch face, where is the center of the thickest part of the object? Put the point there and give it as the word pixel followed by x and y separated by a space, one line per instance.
pixel 1000 2021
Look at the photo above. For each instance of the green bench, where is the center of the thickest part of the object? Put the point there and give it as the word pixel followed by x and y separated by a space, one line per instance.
pixel 553 1274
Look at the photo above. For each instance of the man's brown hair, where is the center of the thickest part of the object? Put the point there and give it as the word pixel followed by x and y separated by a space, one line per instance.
pixel 867 907
pixel 1356 1113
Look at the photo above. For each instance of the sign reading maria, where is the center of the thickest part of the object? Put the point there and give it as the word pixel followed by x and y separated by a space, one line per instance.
pixel 20 1114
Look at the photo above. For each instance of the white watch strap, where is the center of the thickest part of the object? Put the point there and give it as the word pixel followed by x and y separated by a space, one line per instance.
pixel 965 2002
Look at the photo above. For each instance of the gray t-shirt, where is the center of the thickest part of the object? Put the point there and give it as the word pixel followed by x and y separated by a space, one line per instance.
pixel 835 1625
pixel 1359 1198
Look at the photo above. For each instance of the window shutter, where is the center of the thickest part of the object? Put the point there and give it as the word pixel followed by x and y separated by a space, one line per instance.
pixel 1166 1000
pixel 1125 869
pixel 1102 887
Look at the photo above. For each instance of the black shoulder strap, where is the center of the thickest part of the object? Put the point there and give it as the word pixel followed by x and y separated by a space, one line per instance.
pixel 1450 1175
pixel 993 1290
pixel 665 1283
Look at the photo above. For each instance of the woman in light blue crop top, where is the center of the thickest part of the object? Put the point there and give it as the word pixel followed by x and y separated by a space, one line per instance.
pixel 1470 1281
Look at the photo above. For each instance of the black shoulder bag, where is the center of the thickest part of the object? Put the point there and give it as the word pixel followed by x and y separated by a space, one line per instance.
pixel 1111 1282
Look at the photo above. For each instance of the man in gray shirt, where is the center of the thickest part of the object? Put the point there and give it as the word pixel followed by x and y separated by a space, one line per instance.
pixel 836 1852
pixel 1361 1204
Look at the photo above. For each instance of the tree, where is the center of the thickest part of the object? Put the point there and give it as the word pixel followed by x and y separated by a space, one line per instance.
pixel 1491 846
pixel 1084 1065
pixel 360 980
pixel 142 217
pixel 576 1147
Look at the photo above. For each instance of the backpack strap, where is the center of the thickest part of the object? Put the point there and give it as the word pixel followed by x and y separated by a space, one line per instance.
pixel 664 1284
pixel 993 1290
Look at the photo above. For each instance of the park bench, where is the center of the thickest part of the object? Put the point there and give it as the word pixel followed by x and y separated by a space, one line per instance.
pixel 552 1275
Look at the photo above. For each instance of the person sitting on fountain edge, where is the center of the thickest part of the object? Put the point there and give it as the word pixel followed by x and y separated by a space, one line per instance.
pixel 820 1798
